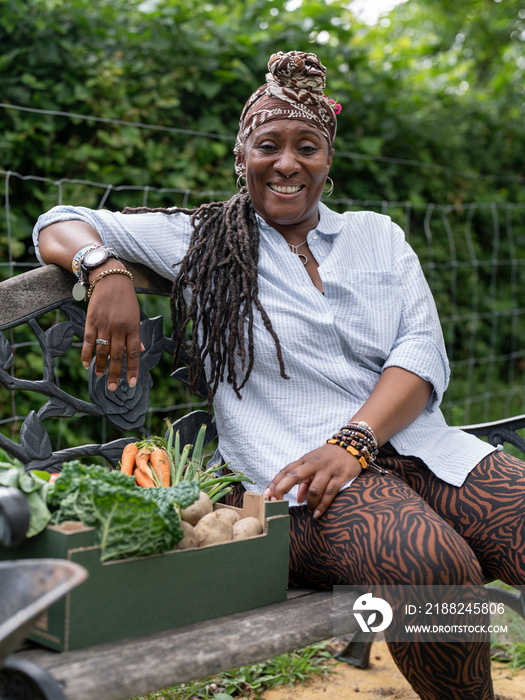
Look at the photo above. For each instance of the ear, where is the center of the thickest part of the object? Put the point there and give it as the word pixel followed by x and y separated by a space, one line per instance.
pixel 330 157
pixel 240 162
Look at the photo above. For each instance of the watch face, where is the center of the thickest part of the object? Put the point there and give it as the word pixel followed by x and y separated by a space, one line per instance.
pixel 94 257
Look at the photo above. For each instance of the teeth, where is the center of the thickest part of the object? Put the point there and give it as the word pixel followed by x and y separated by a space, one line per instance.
pixel 288 189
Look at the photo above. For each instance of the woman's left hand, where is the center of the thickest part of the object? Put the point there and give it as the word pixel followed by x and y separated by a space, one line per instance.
pixel 320 474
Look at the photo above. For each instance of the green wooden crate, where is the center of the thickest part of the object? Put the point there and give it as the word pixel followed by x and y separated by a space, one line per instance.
pixel 142 595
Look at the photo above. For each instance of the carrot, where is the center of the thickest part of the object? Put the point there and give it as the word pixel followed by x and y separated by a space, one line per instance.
pixel 160 462
pixel 142 459
pixel 127 461
pixel 143 479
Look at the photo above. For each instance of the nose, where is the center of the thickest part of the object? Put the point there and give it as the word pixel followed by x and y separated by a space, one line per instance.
pixel 287 163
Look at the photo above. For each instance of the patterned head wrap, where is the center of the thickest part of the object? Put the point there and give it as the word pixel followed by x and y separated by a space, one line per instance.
pixel 294 89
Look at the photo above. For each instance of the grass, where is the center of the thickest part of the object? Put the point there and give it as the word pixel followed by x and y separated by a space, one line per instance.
pixel 250 681
pixel 509 647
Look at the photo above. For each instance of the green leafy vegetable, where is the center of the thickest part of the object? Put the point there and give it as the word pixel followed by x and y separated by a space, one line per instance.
pixel 128 520
pixel 33 486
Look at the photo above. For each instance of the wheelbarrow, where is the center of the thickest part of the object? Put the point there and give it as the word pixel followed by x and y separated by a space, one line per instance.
pixel 27 588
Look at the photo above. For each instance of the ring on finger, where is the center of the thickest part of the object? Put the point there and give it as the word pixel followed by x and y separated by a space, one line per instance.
pixel 101 341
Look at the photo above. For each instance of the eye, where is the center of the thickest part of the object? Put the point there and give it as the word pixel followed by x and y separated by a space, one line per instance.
pixel 308 149
pixel 267 147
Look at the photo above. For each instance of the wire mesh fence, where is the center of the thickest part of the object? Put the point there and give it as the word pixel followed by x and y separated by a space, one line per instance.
pixel 473 255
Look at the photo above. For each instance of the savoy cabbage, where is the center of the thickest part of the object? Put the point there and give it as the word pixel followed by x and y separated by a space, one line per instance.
pixel 129 521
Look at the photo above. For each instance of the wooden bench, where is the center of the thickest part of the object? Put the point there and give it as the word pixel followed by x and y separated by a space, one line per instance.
pixel 111 672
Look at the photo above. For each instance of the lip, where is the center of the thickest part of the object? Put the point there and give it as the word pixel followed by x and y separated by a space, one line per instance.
pixel 287 188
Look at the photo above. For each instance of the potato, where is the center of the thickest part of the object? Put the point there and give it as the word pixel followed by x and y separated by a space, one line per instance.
pixel 230 515
pixel 198 509
pixel 190 539
pixel 247 527
pixel 213 529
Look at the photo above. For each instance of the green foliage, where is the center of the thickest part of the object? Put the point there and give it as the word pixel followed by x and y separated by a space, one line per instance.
pixel 427 87
pixel 509 646
pixel 129 521
pixel 34 486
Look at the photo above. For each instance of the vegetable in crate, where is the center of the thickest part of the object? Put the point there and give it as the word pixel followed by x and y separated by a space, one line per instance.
pixel 34 485
pixel 156 461
pixel 128 521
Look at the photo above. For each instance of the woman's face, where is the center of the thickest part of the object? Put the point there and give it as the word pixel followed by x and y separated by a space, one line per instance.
pixel 287 163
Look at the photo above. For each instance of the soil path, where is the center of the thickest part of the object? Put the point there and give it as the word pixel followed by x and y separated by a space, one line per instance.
pixel 383 681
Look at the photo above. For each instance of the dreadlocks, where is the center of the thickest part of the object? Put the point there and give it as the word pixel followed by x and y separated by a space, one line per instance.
pixel 220 271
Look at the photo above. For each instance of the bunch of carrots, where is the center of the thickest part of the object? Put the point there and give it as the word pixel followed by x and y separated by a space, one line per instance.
pixel 148 462
pixel 157 461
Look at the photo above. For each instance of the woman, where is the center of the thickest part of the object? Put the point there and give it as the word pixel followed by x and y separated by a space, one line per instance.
pixel 325 364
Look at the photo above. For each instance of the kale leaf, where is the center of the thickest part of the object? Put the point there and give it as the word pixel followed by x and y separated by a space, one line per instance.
pixel 128 520
pixel 34 488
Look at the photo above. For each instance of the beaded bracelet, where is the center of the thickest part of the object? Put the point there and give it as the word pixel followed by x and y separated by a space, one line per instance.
pixel 113 271
pixel 359 439
pixel 349 448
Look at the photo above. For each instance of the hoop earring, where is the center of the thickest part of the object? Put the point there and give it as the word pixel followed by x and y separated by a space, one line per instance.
pixel 330 189
pixel 238 183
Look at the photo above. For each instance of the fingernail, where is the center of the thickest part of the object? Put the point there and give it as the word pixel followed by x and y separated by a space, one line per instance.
pixel 112 386
pixel 267 493
pixel 317 514
pixel 133 381
pixel 85 365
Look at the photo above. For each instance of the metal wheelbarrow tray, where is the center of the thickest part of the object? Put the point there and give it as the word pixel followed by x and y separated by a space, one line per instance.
pixel 28 587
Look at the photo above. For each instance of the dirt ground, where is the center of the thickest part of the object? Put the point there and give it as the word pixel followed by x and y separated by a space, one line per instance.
pixel 383 681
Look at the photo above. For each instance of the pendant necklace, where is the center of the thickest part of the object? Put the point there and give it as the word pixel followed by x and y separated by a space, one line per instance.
pixel 295 249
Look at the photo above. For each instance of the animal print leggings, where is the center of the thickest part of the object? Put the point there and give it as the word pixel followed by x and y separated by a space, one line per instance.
pixel 410 527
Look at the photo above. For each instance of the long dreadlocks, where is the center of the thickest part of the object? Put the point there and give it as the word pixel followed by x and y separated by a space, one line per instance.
pixel 220 271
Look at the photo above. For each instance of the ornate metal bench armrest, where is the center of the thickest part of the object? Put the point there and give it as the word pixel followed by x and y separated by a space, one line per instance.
pixel 500 431
pixel 25 298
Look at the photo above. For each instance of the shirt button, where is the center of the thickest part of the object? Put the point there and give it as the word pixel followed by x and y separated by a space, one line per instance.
pixel 405 446
pixel 322 254
pixel 328 269
pixel 315 237
pixel 338 359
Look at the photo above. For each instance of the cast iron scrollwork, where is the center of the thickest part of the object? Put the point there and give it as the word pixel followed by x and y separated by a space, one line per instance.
pixel 125 408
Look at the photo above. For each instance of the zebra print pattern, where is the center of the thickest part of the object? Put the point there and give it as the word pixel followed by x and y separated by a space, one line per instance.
pixel 410 527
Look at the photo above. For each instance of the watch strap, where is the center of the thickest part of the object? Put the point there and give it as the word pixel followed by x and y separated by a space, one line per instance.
pixel 75 264
pixel 110 253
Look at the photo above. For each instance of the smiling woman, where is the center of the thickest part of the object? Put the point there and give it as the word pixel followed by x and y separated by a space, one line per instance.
pixel 286 170
pixel 284 149
pixel 316 320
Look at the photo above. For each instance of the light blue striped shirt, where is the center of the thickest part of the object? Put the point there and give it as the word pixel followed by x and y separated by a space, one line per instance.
pixel 377 311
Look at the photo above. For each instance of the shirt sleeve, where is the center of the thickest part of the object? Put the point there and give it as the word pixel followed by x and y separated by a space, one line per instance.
pixel 419 346
pixel 154 239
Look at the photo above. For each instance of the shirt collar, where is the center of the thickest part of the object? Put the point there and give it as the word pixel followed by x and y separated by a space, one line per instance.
pixel 330 222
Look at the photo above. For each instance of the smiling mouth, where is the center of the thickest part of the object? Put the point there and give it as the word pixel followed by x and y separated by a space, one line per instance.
pixel 286 189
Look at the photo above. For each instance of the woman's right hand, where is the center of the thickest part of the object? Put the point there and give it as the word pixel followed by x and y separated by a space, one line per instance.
pixel 113 314
pixel 320 475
